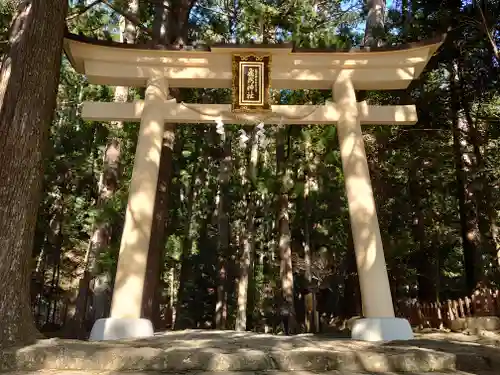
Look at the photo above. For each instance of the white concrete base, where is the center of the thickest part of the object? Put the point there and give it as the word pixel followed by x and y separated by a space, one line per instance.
pixel 381 329
pixel 120 328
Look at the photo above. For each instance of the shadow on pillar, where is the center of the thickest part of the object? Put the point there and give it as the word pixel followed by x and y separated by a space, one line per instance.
pixel 153 288
pixel 351 303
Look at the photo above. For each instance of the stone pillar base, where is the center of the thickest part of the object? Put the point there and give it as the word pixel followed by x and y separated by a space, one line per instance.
pixel 120 328
pixel 381 329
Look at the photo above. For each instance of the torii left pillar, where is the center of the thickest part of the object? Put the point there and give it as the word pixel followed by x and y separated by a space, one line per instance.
pixel 125 320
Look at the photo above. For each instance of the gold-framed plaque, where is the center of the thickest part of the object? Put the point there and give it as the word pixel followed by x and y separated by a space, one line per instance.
pixel 251 81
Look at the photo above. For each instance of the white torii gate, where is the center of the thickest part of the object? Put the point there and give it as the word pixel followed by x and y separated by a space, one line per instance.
pixel 113 63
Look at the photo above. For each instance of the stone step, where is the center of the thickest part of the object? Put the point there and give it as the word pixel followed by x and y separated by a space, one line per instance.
pixel 75 372
pixel 57 354
pixel 229 351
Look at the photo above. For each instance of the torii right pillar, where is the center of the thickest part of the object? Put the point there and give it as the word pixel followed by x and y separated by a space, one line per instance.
pixel 379 322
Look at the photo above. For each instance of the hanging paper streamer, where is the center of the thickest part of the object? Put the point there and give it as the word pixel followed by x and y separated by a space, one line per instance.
pixel 261 134
pixel 260 130
pixel 243 138
pixel 219 127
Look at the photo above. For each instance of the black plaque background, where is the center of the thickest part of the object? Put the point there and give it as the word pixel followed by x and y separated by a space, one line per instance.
pixel 259 93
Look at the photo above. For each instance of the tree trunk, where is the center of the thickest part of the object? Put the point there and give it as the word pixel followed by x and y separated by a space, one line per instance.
pixel 178 22
pixel 352 294
pixel 197 180
pixel 56 240
pixel 471 234
pixel 101 236
pixel 375 23
pixel 160 23
pixel 171 22
pixel 28 88
pixel 224 231
pixel 483 191
pixel 152 290
pixel 246 258
pixel 165 28
pixel 423 257
pixel 406 17
pixel 308 177
pixel 284 235
pixel 374 30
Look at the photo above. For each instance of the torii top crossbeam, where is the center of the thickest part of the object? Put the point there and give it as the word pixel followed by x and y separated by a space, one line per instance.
pixel 250 71
pixel 121 64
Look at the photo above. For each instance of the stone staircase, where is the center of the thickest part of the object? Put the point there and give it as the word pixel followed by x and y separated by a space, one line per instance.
pixel 274 372
pixel 244 352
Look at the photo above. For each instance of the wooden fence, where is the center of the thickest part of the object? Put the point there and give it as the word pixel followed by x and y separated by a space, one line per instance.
pixel 484 302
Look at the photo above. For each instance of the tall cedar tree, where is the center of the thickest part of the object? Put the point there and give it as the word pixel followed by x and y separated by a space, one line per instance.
pixel 29 79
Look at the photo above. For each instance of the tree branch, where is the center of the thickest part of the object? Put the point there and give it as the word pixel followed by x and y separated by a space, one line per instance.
pixel 487 32
pixel 129 17
pixel 82 11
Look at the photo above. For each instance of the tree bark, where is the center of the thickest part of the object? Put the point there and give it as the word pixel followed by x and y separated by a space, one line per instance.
pixel 155 266
pixel 351 305
pixel 197 180
pixel 406 16
pixel 308 180
pixel 154 270
pixel 178 22
pixel 166 27
pixel 483 190
pixel 284 235
pixel 246 258
pixel 171 22
pixel 375 23
pixel 307 207
pixel 29 78
pixel 423 256
pixel 469 222
pixel 374 30
pixel 160 22
pixel 223 226
pixel 55 238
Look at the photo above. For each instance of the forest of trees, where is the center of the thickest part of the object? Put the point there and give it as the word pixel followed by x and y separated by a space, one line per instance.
pixel 241 208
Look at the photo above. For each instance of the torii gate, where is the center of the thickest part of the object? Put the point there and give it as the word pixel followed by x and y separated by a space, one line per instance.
pixel 250 70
